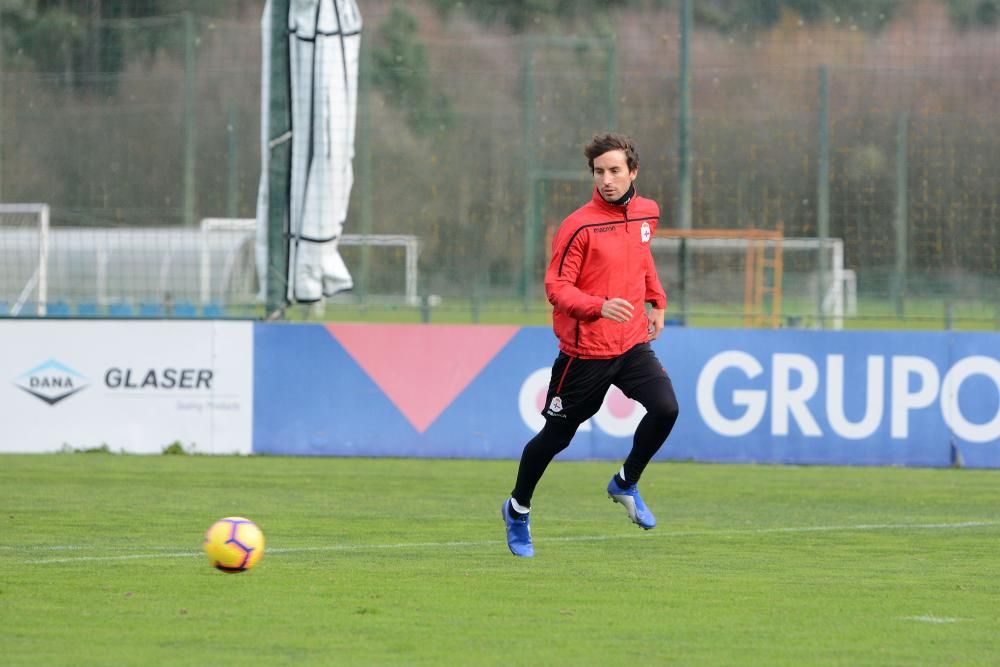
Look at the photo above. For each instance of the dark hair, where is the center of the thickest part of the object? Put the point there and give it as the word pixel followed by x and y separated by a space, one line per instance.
pixel 602 143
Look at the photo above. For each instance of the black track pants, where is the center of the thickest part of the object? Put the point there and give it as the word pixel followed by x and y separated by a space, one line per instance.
pixel 653 390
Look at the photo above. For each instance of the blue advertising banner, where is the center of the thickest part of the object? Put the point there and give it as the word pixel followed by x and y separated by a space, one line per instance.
pixel 786 396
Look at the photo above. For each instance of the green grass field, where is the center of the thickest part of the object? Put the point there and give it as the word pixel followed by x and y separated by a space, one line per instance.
pixel 403 562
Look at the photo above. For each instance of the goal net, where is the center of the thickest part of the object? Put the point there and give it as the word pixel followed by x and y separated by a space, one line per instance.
pixel 24 259
pixel 118 271
pixel 160 271
pixel 394 256
pixel 754 277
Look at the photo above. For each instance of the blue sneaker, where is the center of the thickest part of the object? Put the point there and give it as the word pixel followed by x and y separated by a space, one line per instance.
pixel 518 533
pixel 630 498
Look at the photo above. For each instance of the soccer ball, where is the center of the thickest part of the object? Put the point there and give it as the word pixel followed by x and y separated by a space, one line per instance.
pixel 234 544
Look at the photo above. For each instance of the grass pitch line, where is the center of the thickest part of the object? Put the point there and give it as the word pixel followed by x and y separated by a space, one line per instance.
pixel 80 547
pixel 165 552
pixel 931 619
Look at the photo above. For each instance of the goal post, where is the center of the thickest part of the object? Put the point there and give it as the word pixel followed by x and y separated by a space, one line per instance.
pixel 24 269
pixel 762 259
pixel 761 275
pixel 246 228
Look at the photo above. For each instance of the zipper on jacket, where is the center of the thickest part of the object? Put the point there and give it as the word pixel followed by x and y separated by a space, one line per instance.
pixel 621 338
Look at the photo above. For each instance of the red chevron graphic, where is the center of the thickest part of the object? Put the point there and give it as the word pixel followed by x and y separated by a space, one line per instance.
pixel 422 368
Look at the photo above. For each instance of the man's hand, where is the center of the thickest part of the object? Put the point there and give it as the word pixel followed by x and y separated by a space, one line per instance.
pixel 619 310
pixel 656 322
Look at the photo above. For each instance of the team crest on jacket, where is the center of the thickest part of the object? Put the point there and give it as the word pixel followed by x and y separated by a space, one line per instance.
pixel 646 232
pixel 556 404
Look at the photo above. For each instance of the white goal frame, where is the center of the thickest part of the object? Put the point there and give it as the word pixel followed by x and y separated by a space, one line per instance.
pixel 40 278
pixel 248 226
pixel 839 298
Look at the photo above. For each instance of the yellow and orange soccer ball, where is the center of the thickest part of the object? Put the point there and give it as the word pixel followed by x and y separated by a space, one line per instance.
pixel 234 544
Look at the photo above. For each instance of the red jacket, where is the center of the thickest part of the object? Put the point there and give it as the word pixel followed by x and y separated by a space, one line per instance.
pixel 602 251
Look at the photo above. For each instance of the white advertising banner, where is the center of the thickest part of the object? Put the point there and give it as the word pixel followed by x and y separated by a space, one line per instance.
pixel 136 387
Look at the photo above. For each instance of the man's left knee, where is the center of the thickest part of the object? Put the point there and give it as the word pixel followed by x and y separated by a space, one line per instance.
pixel 665 407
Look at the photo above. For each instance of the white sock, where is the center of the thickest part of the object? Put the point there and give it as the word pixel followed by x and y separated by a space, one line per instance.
pixel 622 473
pixel 518 507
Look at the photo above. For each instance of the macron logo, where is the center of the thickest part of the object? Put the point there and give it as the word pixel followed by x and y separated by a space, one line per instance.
pixel 51 382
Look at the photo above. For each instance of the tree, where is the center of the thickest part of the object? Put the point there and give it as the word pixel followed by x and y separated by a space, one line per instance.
pixel 722 15
pixel 85 42
pixel 974 13
pixel 402 72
